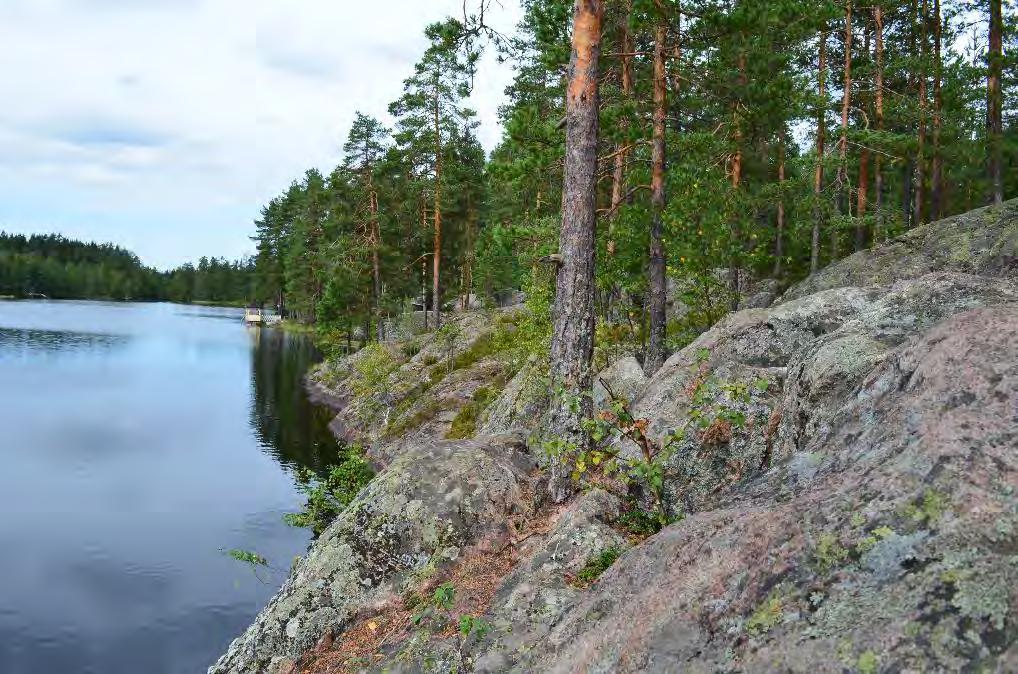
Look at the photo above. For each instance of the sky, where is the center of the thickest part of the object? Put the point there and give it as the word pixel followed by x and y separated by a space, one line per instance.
pixel 164 125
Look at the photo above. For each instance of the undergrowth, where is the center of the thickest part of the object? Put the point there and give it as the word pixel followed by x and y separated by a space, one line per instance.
pixel 597 565
pixel 327 496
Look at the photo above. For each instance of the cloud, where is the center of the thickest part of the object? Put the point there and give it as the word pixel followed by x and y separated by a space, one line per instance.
pixel 166 124
pixel 105 131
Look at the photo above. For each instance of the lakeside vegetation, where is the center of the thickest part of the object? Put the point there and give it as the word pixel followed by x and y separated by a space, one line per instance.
pixel 730 142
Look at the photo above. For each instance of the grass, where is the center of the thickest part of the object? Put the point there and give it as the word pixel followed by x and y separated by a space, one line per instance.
pixel 465 424
pixel 295 327
pixel 427 412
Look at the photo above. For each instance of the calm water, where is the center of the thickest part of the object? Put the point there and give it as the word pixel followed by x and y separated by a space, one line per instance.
pixel 137 441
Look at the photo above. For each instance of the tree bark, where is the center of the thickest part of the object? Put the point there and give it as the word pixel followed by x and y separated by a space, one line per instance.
pixel 937 170
pixel 994 102
pixel 878 177
pixel 621 153
pixel 846 103
pixel 572 342
pixel 735 264
pixel 862 189
pixel 818 176
pixel 376 242
pixel 436 260
pixel 779 235
pixel 424 264
pixel 919 215
pixel 468 263
pixel 656 355
pixel 677 72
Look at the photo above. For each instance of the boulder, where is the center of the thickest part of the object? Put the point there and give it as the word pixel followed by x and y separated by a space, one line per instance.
pixel 624 377
pixel 520 405
pixel 982 242
pixel 387 393
pixel 431 504
pixel 894 552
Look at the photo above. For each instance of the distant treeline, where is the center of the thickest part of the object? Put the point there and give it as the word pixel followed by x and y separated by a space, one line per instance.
pixel 60 268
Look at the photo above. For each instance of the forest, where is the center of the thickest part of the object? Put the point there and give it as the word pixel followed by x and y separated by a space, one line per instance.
pixel 651 149
pixel 54 267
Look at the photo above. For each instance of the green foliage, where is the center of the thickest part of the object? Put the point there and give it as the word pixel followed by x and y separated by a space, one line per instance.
pixel 327 496
pixel 638 522
pixel 444 597
pixel 868 663
pixel 929 509
pixel 470 625
pixel 247 557
pixel 438 612
pixel 830 554
pixel 767 616
pixel 716 412
pixel 464 424
pixel 402 422
pixel 372 368
pixel 870 541
pixel 596 565
pixel 61 268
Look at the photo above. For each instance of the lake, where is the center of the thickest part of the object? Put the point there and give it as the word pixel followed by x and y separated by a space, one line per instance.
pixel 138 442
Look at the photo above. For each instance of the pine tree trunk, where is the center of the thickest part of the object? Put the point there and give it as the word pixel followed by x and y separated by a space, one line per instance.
pixel 994 102
pixel 656 271
pixel 677 71
pixel 572 342
pixel 937 177
pixel 779 235
pixel 846 103
pixel 621 151
pixel 919 216
pixel 468 263
pixel 818 177
pixel 424 266
pixel 878 186
pixel 436 259
pixel 621 154
pixel 376 243
pixel 735 265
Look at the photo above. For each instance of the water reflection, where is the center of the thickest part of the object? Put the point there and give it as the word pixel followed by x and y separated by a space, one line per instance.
pixel 18 344
pixel 289 427
pixel 139 441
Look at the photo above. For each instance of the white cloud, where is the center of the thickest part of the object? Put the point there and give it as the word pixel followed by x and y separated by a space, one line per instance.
pixel 165 124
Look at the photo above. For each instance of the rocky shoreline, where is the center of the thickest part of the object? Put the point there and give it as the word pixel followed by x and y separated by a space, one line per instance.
pixel 864 519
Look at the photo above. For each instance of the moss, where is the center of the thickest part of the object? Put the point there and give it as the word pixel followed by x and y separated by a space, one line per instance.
pixel 767 616
pixel 985 595
pixel 464 425
pixel 484 346
pixel 929 509
pixel 425 413
pixel 597 565
pixel 867 543
pixel 638 522
pixel 867 663
pixel 830 554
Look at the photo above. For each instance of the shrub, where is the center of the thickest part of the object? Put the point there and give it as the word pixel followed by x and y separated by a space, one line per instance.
pixel 327 496
pixel 372 367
